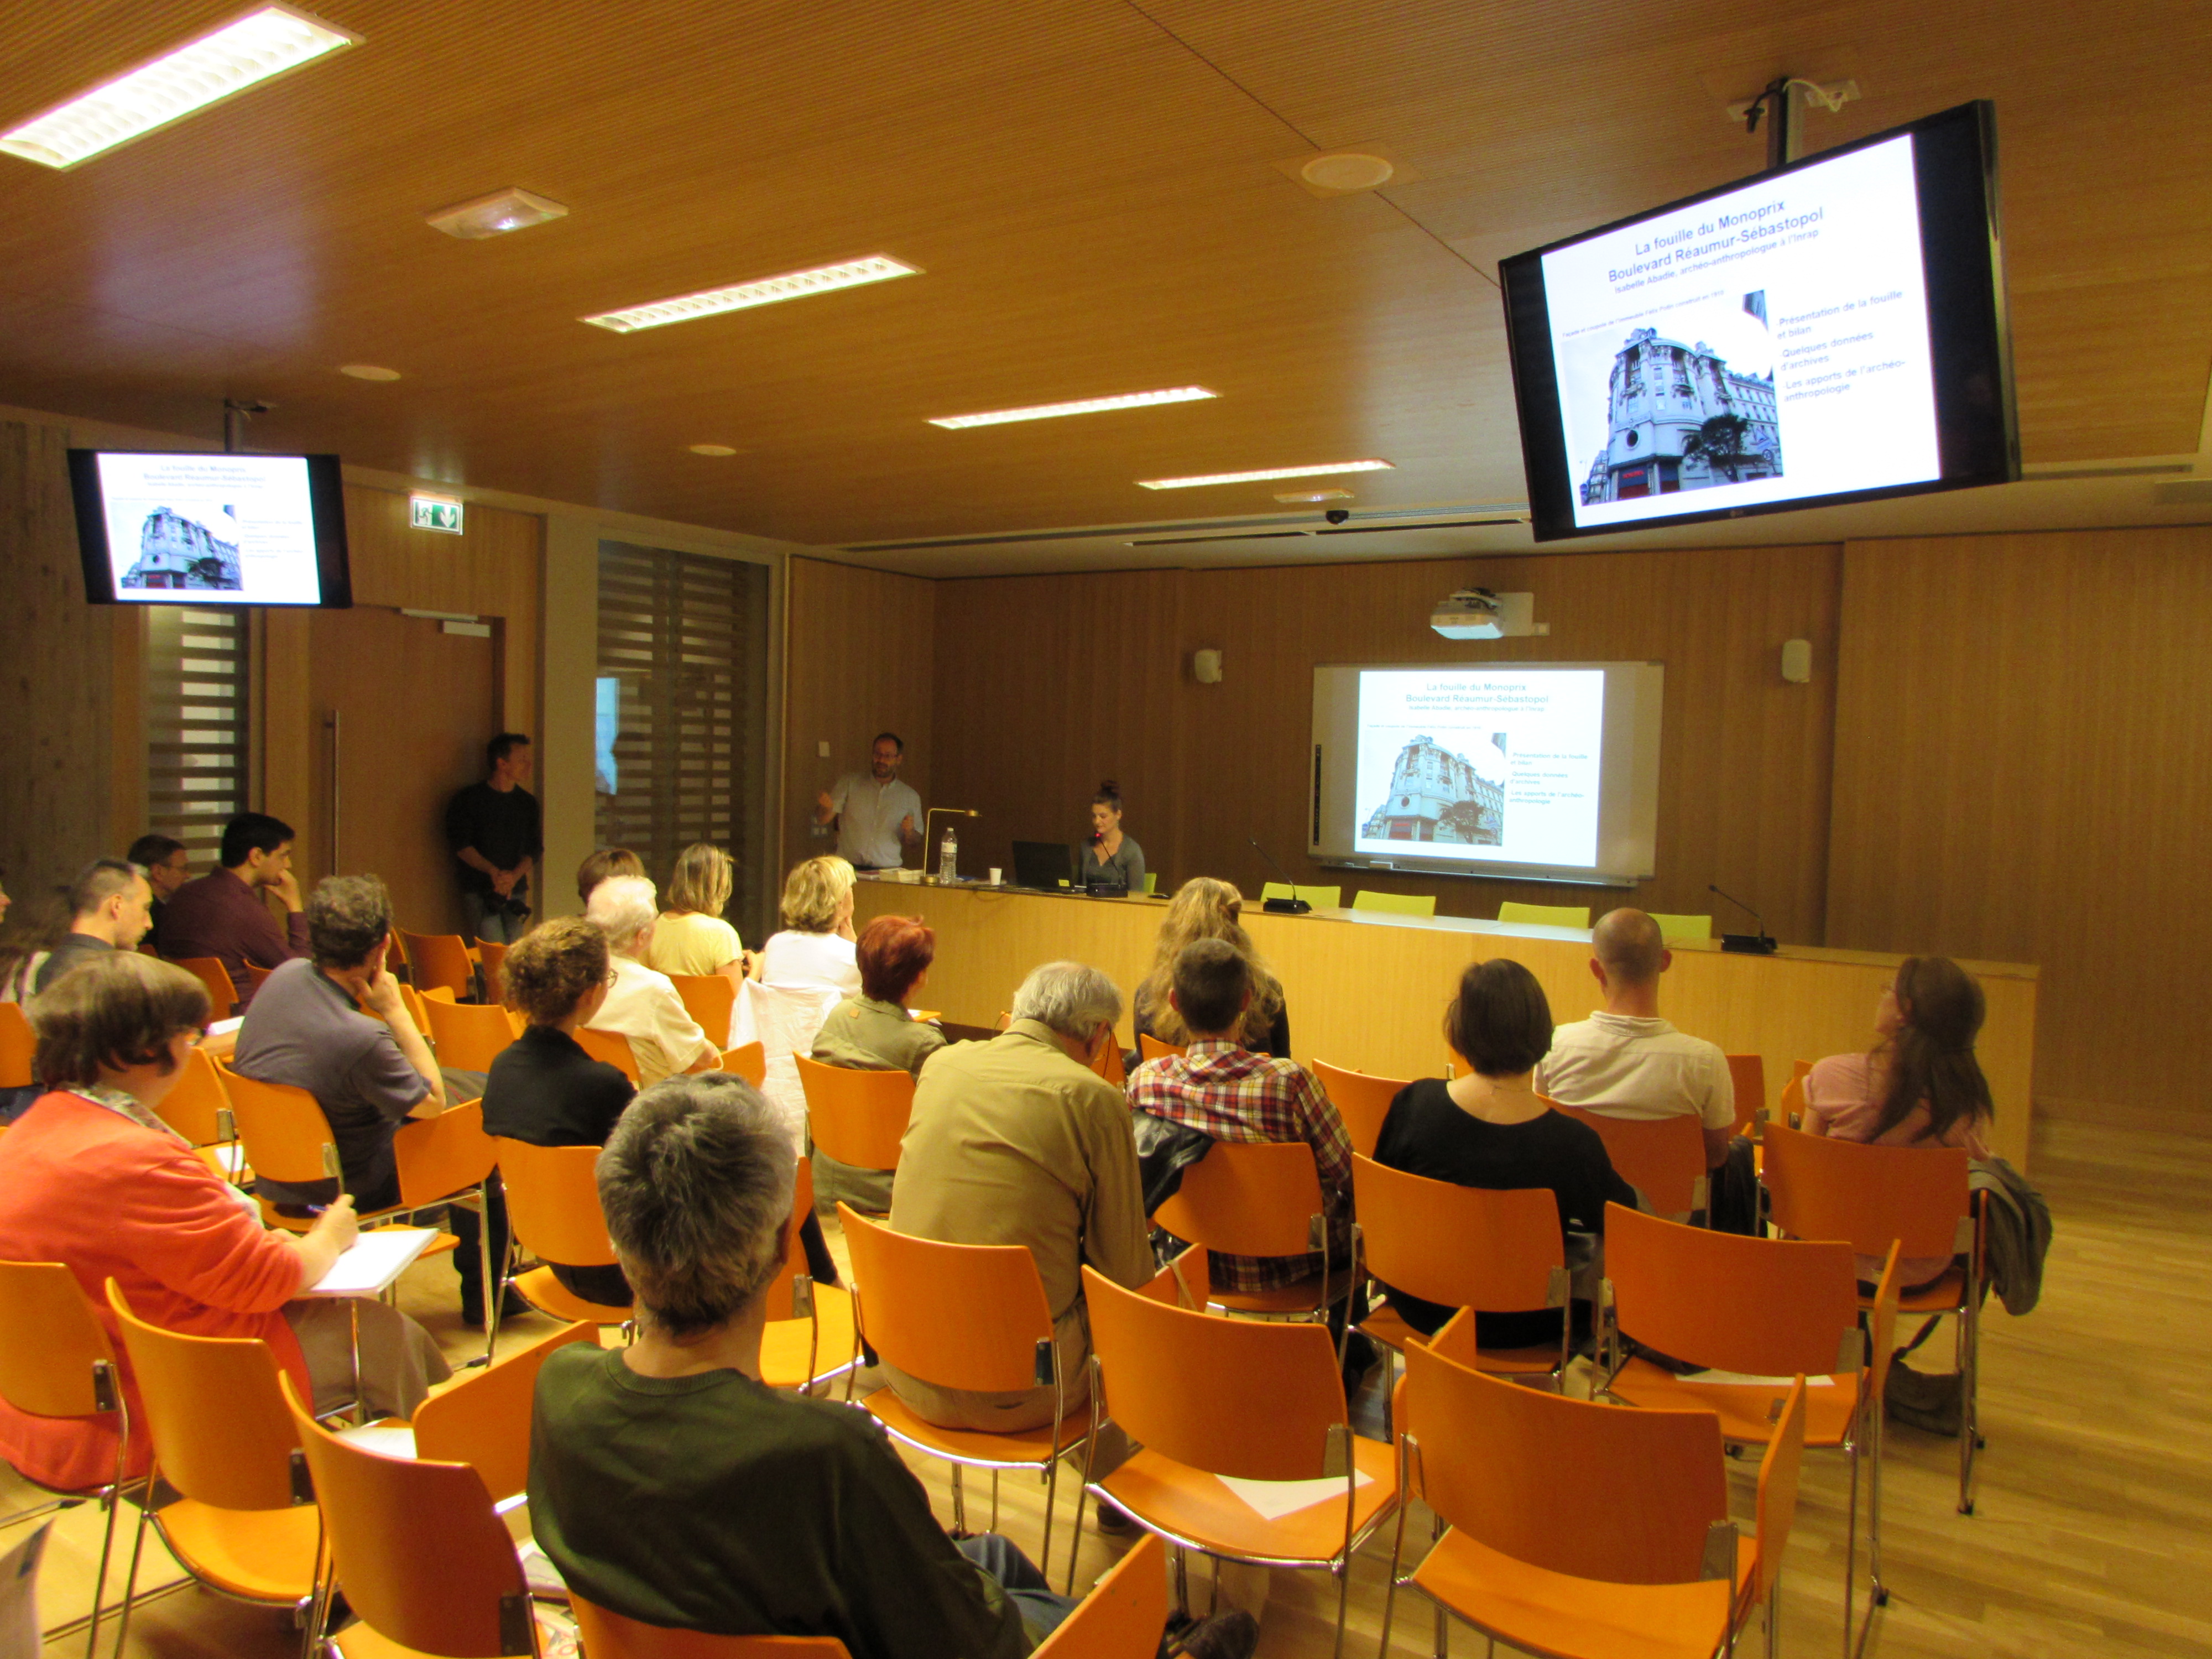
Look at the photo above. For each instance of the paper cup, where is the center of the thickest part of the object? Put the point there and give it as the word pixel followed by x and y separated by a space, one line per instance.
pixel 996 873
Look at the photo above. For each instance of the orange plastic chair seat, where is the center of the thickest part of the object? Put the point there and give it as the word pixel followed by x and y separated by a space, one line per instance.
pixel 1385 1325
pixel 1742 1407
pixel 1300 1296
pixel 1195 1506
pixel 1944 1296
pixel 261 1555
pixel 1023 1447
pixel 1540 1611
pixel 546 1292
pixel 783 1344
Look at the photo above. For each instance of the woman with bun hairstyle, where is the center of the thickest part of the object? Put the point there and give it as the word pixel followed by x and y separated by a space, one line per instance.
pixel 1108 856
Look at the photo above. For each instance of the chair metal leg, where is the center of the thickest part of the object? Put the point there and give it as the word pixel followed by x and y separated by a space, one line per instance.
pixel 995 1513
pixel 1970 1380
pixel 1343 1594
pixel 1182 1582
pixel 113 1499
pixel 495 1290
pixel 1876 1437
pixel 130 1579
pixel 959 1505
pixel 1851 1542
pixel 1773 1618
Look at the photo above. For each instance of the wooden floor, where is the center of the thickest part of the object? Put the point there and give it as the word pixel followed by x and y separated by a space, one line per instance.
pixel 2092 1534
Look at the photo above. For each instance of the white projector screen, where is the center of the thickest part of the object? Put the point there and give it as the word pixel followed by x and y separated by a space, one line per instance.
pixel 1546 770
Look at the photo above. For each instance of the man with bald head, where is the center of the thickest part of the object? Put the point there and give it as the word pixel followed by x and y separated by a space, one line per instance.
pixel 1625 1061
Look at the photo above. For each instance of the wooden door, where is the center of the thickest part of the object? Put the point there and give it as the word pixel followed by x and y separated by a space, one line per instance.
pixel 414 706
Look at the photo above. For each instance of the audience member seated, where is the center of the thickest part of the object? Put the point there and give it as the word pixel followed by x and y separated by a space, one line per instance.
pixel 691 936
pixel 1919 1086
pixel 28 932
pixel 1019 1141
pixel 1225 1090
pixel 221 915
pixel 1203 907
pixel 543 1088
pixel 166 864
pixel 641 1005
pixel 602 862
pixel 1490 1129
pixel 873 1032
pixel 816 946
pixel 1625 1061
pixel 109 905
pixel 91 1177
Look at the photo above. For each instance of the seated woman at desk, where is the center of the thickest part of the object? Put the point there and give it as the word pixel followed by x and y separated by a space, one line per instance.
pixel 1203 907
pixel 1110 857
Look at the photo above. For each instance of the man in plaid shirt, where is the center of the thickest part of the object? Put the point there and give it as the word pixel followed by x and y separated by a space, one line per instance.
pixel 1222 1090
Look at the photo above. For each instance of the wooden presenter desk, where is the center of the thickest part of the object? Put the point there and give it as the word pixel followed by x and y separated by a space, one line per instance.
pixel 1367 990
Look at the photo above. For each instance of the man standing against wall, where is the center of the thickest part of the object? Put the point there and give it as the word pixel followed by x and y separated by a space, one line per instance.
pixel 877 817
pixel 493 829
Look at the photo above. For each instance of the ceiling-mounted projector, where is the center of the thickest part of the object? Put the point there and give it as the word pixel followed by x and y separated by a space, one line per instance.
pixel 1476 613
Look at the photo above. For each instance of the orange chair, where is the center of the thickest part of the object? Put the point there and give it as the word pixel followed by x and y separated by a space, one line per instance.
pixel 1463 1247
pixel 197 1107
pixel 1579 1529
pixel 710 1000
pixel 748 1060
pixel 1261 1198
pixel 611 1636
pixel 1210 1400
pixel 468 1036
pixel 1108 1064
pixel 56 1361
pixel 17 1046
pixel 1790 1109
pixel 818 1341
pixel 967 1316
pixel 612 1047
pixel 1123 1616
pixel 224 1443
pixel 484 1419
pixel 1662 1158
pixel 1151 1048
pixel 1361 1100
pixel 442 961
pixel 416 1548
pixel 222 995
pixel 553 1208
pixel 858 1117
pixel 255 973
pixel 1747 1073
pixel 1822 1188
pixel 492 956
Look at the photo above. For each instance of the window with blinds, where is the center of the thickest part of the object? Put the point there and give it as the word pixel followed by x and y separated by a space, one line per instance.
pixel 196 725
pixel 683 716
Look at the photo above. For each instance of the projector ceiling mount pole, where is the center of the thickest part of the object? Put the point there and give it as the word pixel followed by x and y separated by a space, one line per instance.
pixel 1777 104
pixel 236 412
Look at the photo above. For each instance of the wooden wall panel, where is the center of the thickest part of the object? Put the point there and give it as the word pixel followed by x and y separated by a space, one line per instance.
pixel 860 647
pixel 2023 770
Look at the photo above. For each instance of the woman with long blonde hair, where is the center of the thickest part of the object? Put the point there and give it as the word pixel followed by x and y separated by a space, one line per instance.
pixel 1204 908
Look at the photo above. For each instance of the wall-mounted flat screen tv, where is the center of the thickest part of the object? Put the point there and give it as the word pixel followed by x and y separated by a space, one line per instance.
pixel 1834 330
pixel 199 529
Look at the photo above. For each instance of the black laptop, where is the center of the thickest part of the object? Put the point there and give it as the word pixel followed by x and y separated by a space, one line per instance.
pixel 1047 865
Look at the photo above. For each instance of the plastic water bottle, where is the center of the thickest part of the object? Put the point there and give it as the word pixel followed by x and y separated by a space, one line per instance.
pixel 948 856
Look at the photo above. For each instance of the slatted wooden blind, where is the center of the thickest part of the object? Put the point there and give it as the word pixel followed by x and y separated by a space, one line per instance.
pixel 687 638
pixel 195 724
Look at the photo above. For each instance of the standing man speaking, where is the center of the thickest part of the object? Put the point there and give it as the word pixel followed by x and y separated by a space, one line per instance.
pixel 493 829
pixel 877 817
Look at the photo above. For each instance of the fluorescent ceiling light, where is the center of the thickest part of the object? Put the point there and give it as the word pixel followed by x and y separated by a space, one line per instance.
pixel 264 42
pixel 1263 476
pixel 709 302
pixel 1181 394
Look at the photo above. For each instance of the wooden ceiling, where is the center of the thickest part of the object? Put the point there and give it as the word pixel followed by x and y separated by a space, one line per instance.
pixel 1092 189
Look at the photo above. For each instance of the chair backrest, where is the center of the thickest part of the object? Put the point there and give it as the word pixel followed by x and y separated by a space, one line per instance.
pixel 193 1105
pixel 1824 1187
pixel 611 1636
pixel 493 955
pixel 1662 1158
pixel 1747 1074
pixel 441 960
pixel 1108 1064
pixel 1601 1492
pixel 1881 1329
pixel 283 1130
pixel 255 973
pixel 1674 929
pixel 51 1347
pixel 1279 889
pixel 794 1253
pixel 1151 1048
pixel 222 995
pixel 221 1432
pixel 484 1419
pixel 1776 1511
pixel 553 1202
pixel 468 1036
pixel 1152 881
pixel 1545 915
pixel 1362 1100
pixel 1767 1307
pixel 748 1060
pixel 1123 1616
pixel 1247 1398
pixel 957 1316
pixel 18 1043
pixel 1321 898
pixel 612 1047
pixel 1403 904
pixel 1460 1247
pixel 1790 1109
pixel 443 1155
pixel 858 1117
pixel 419 1552
pixel 1247 1198
pixel 710 1000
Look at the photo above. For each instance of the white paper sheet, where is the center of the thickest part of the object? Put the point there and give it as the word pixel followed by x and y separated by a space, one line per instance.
pixel 1744 1379
pixel 392 1439
pixel 1274 1499
pixel 375 1259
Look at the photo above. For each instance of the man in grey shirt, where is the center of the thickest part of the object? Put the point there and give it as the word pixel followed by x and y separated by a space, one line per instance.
pixel 877 817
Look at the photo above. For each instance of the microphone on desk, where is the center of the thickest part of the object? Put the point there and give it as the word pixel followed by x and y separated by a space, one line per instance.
pixel 1292 906
pixel 1752 945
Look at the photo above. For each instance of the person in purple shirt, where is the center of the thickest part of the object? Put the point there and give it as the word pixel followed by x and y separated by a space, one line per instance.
pixel 221 915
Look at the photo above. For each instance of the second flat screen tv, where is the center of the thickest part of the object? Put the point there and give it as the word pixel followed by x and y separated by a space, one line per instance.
pixel 202 529
pixel 1831 331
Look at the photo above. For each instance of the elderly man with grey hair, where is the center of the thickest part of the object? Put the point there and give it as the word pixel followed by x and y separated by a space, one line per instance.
pixel 670 1485
pixel 642 1005
pixel 1019 1142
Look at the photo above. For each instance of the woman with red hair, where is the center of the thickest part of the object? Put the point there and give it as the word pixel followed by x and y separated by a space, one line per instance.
pixel 873 1032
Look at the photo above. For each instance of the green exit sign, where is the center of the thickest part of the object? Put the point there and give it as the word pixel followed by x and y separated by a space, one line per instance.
pixel 436 512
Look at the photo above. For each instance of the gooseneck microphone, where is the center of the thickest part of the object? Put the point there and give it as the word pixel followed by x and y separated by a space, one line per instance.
pixel 1753 945
pixel 1292 906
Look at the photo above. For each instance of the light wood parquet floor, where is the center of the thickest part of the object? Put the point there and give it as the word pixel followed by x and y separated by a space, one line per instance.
pixel 2092 1534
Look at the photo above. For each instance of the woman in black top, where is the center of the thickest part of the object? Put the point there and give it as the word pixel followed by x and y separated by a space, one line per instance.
pixel 1492 1129
pixel 543 1088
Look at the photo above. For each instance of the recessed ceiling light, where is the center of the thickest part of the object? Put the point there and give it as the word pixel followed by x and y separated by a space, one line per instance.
pixel 1263 476
pixel 512 208
pixel 1347 172
pixel 1295 496
pixel 709 302
pixel 369 372
pixel 264 42
pixel 712 449
pixel 1181 394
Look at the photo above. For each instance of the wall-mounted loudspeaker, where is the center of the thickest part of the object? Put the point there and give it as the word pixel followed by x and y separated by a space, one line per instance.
pixel 1205 667
pixel 1797 661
